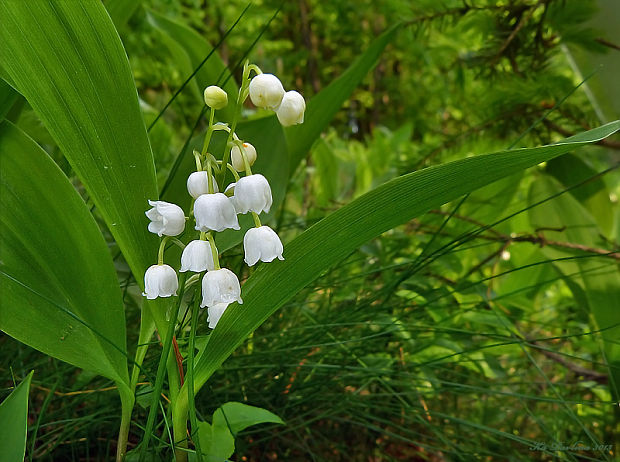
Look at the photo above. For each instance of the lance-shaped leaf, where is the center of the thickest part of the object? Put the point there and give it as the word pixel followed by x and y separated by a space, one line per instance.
pixel 59 290
pixel 67 60
pixel 14 423
pixel 333 238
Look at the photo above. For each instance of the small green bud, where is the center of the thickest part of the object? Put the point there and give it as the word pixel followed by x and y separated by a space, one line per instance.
pixel 215 97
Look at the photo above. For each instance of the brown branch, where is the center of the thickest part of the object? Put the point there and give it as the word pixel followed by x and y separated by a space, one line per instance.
pixel 607 43
pixel 538 239
pixel 577 369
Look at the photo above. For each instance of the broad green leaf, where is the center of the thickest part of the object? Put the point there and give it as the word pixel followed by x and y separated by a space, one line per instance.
pixel 59 290
pixel 188 43
pixel 8 96
pixel 14 423
pixel 333 238
pixel 570 170
pixel 600 276
pixel 238 416
pixel 67 60
pixel 121 11
pixel 217 440
pixel 322 107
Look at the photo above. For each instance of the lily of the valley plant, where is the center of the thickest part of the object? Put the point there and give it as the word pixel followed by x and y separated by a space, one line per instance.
pixel 215 207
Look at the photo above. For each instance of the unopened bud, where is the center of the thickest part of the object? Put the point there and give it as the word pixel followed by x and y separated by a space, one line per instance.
pixel 215 97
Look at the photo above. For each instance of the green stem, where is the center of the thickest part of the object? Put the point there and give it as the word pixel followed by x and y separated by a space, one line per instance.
pixel 190 374
pixel 205 146
pixel 256 220
pixel 128 401
pixel 160 253
pixel 245 82
pixel 210 178
pixel 234 172
pixel 161 370
pixel 216 259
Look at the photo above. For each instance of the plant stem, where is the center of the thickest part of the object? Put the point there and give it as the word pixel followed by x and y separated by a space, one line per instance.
pixel 127 400
pixel 161 369
pixel 190 374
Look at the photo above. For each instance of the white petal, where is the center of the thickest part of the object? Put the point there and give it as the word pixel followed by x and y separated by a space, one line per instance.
pixel 160 281
pixel 291 109
pixel 220 286
pixel 197 184
pixel 197 257
pixel 262 244
pixel 266 91
pixel 237 159
pixel 166 218
pixel 214 313
pixel 215 212
pixel 252 193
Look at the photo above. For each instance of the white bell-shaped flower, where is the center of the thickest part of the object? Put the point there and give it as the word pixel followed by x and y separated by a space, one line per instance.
pixel 215 212
pixel 220 286
pixel 237 159
pixel 166 218
pixel 214 313
pixel 197 257
pixel 198 183
pixel 160 281
pixel 262 244
pixel 252 193
pixel 292 108
pixel 266 91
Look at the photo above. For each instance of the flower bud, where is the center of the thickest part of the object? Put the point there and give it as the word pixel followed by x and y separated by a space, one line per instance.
pixel 214 313
pixel 215 97
pixel 220 286
pixel 292 108
pixel 266 91
pixel 197 184
pixel 166 218
pixel 197 257
pixel 160 281
pixel 237 159
pixel 215 212
pixel 262 244
pixel 252 193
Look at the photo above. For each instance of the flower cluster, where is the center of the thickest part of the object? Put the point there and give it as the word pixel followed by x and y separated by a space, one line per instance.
pixel 215 211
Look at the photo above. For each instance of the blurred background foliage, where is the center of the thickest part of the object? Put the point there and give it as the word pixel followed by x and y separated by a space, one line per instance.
pixel 466 334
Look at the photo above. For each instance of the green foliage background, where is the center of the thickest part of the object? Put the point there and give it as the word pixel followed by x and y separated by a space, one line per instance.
pixel 469 333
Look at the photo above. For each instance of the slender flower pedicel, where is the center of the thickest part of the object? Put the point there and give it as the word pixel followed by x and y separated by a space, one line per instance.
pixel 197 256
pixel 266 91
pixel 160 281
pixel 215 212
pixel 166 218
pixel 252 193
pixel 262 244
pixel 198 183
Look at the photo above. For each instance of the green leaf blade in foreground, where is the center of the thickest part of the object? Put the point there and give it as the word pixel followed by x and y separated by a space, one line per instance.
pixel 59 289
pixel 334 237
pixel 14 423
pixel 66 59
